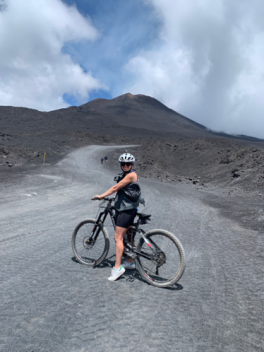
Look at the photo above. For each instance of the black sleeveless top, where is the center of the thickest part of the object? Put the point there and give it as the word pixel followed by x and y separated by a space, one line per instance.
pixel 129 196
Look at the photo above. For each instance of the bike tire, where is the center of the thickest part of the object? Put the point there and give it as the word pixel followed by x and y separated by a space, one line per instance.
pixel 177 260
pixel 88 255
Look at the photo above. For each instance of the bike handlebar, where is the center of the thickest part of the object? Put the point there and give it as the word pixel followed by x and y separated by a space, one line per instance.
pixel 105 198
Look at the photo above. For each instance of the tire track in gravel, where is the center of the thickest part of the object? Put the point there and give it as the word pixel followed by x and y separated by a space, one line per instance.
pixel 49 302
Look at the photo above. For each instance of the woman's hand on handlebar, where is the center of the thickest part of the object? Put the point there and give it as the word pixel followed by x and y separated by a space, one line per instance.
pixel 97 198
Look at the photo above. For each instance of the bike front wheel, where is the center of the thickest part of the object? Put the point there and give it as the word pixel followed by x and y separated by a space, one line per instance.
pixel 87 250
pixel 164 264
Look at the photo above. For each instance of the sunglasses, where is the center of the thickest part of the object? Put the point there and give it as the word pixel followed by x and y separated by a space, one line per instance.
pixel 127 164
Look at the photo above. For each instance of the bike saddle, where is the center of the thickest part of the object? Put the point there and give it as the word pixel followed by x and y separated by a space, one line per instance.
pixel 143 216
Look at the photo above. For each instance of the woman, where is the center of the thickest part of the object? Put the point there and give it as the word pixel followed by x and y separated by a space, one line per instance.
pixel 127 200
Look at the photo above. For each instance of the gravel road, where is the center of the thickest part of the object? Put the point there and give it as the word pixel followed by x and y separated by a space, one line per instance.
pixel 49 302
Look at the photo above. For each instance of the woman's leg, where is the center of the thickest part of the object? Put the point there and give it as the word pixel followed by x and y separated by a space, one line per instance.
pixel 119 235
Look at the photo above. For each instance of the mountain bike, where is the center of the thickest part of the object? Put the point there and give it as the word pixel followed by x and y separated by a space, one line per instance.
pixel 159 256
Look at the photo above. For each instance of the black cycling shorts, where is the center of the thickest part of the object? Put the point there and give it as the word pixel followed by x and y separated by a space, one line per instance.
pixel 125 218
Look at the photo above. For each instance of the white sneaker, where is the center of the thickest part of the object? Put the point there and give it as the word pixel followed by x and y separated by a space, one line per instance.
pixel 128 265
pixel 115 273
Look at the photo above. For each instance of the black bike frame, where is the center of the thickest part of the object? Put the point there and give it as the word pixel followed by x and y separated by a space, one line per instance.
pixel 109 209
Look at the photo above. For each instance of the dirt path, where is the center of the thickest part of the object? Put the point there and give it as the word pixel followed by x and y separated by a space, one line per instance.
pixel 49 302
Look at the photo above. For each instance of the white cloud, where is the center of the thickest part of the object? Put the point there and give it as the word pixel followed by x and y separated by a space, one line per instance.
pixel 34 71
pixel 209 64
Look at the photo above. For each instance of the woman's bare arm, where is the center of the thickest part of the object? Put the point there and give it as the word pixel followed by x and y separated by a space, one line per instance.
pixel 131 177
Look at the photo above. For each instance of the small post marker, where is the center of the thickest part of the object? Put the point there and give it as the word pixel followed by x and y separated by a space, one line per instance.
pixel 44 158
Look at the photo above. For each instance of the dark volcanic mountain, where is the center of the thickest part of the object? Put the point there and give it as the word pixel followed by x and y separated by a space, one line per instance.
pixel 171 145
pixel 138 112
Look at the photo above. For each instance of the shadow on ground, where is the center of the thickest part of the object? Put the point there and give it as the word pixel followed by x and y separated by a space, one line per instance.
pixel 130 275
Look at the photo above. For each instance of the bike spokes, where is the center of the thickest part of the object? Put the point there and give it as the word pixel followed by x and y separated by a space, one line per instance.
pixel 90 244
pixel 164 260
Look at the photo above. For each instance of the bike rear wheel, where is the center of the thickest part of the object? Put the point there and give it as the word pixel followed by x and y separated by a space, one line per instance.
pixel 86 250
pixel 166 267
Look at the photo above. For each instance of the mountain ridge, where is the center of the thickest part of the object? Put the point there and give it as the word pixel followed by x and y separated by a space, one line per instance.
pixel 171 146
pixel 131 107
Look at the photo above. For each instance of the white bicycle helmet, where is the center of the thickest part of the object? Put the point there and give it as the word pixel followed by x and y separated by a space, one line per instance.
pixel 126 157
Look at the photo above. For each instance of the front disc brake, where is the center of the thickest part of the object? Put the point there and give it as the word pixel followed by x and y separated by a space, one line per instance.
pixel 88 242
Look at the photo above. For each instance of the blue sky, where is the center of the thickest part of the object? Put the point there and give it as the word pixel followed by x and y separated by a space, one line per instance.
pixel 201 58
pixel 125 28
